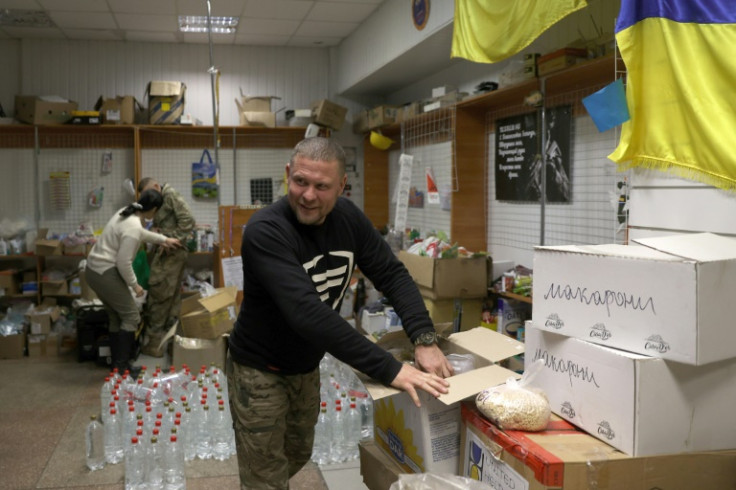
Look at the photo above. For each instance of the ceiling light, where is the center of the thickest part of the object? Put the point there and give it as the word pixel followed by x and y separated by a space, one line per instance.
pixel 198 23
pixel 25 18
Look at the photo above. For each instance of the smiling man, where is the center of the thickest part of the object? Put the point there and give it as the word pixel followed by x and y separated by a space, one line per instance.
pixel 298 257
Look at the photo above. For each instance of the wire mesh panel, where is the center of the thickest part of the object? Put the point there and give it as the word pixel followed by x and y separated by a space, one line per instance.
pixel 174 167
pixel 591 215
pixel 260 175
pixel 91 167
pixel 429 139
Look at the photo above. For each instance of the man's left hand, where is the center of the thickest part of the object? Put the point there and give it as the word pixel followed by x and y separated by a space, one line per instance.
pixel 430 358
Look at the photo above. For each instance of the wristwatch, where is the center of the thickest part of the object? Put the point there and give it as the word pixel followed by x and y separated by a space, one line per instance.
pixel 426 338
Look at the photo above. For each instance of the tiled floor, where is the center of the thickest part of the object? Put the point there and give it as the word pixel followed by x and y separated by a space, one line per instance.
pixel 44 408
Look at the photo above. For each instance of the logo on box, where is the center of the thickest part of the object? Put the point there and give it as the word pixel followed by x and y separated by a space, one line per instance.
pixel 397 448
pixel 567 410
pixel 554 321
pixel 599 330
pixel 604 429
pixel 656 343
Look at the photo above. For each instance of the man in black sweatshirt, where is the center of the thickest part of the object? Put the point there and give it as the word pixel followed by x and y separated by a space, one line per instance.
pixel 298 257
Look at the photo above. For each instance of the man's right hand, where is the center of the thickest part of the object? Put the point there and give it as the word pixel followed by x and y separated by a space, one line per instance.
pixel 410 379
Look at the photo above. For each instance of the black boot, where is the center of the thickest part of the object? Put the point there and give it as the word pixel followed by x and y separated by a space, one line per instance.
pixel 126 343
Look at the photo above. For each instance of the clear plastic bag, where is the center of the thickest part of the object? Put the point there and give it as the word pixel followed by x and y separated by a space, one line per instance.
pixel 516 405
pixel 434 481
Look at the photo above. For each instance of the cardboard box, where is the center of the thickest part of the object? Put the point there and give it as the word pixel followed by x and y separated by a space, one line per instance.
pixel 37 346
pixel 199 352
pixel 258 119
pixel 120 110
pixel 360 122
pixel 561 458
pixel 383 115
pixel 44 246
pixel 54 288
pixel 443 310
pixel 377 469
pixel 33 109
pixel 442 90
pixel 85 118
pixel 165 101
pixel 43 316
pixel 212 317
pixel 427 439
pixel 410 110
pixel 255 103
pixel 641 405
pixel 12 346
pixel 560 59
pixel 671 297
pixel 329 114
pixel 448 278
pixel 8 282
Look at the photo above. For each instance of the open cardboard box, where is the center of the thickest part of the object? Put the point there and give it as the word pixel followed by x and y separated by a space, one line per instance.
pixel 210 317
pixel 670 297
pixel 43 316
pixel 427 439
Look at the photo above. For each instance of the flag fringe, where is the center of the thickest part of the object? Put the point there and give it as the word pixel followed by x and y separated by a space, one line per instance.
pixel 680 170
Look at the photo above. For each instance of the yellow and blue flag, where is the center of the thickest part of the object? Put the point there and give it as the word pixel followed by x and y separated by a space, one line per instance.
pixel 487 31
pixel 680 88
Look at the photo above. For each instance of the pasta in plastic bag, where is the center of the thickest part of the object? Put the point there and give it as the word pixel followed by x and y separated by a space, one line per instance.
pixel 516 405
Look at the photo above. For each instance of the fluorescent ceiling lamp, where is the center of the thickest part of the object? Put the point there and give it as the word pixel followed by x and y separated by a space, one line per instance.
pixel 198 23
pixel 25 18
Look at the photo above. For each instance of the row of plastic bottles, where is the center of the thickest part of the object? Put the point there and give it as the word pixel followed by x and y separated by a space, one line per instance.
pixel 346 414
pixel 200 430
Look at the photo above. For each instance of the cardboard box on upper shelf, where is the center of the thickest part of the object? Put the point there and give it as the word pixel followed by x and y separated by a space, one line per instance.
pixel 564 458
pixel 255 103
pixel 383 115
pixel 8 282
pixel 448 278
pixel 427 439
pixel 119 110
pixel 639 404
pixel 328 114
pixel 668 297
pixel 165 101
pixel 52 109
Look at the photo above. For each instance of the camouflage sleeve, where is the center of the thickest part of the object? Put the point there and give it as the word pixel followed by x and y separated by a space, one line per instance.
pixel 183 215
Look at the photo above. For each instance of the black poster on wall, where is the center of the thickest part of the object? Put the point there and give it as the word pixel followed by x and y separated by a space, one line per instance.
pixel 519 166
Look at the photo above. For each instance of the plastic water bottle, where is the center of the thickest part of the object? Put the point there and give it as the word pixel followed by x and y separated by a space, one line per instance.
pixel 154 474
pixel 366 413
pixel 187 435
pixel 203 443
pixel 173 464
pixel 135 471
pixel 95 439
pixel 107 387
pixel 113 438
pixel 322 437
pixel 220 429
pixel 353 425
pixel 338 451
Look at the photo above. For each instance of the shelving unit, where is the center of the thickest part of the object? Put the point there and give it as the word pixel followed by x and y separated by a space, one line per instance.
pixel 469 202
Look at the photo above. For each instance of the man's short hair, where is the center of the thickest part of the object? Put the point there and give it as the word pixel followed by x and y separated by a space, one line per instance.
pixel 320 149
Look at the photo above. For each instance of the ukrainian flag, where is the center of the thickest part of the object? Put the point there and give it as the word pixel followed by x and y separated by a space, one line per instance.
pixel 681 70
pixel 487 31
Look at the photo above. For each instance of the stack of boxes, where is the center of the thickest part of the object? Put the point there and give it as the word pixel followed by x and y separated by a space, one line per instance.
pixel 204 326
pixel 638 341
pixel 453 289
pixel 639 360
